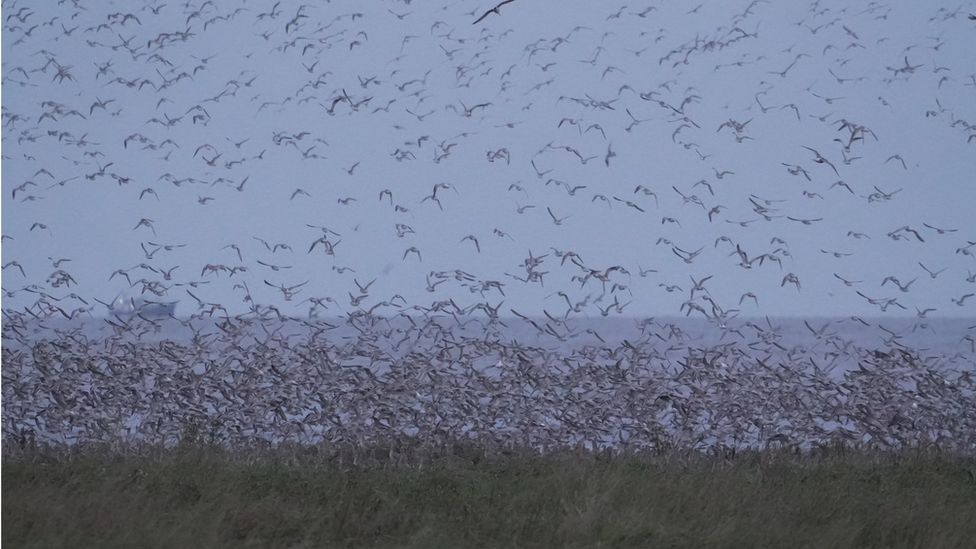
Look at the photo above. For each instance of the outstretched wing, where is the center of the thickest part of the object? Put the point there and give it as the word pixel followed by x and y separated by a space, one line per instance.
pixel 492 10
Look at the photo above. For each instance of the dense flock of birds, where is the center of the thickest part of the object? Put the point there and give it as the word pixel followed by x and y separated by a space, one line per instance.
pixel 432 384
pixel 423 178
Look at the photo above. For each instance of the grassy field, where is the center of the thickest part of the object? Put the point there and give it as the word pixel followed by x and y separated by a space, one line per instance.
pixel 202 497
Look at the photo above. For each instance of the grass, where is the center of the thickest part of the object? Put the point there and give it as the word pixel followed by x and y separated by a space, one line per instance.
pixel 194 496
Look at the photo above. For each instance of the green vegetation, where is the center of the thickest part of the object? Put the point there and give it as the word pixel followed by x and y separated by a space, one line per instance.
pixel 195 496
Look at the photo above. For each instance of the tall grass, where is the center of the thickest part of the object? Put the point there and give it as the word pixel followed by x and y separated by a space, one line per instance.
pixel 199 496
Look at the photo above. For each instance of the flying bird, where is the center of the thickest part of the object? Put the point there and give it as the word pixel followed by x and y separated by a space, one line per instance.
pixel 492 10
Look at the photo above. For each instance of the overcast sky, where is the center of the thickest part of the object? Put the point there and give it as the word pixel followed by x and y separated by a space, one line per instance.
pixel 256 84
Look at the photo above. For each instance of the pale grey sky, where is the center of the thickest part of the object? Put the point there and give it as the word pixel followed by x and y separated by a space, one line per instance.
pixel 253 79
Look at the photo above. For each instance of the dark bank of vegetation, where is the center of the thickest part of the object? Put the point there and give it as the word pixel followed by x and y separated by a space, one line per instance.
pixel 200 496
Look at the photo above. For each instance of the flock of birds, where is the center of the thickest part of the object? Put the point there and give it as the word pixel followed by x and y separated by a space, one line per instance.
pixel 441 379
pixel 288 172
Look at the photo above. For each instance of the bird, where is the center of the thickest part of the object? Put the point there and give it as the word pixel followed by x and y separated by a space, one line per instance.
pixel 883 303
pixel 896 282
pixel 792 279
pixel 939 230
pixel 472 238
pixel 897 233
pixel 556 220
pixel 898 158
pixel 930 272
pixel 492 10
pixel 749 295
pixel 685 255
pixel 414 250
pixel 14 264
pixel 287 292
pixel 845 281
pixel 804 221
pixel 820 159
pixel 145 222
pixel 273 267
pixel 961 300
pixel 363 289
